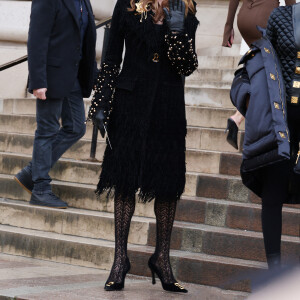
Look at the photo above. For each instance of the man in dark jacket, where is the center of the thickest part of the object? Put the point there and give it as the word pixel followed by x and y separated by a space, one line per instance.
pixel 61 60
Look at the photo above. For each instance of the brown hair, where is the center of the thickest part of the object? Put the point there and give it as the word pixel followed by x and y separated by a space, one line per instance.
pixel 158 9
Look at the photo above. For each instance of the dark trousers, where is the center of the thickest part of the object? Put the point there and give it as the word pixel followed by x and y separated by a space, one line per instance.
pixel 277 185
pixel 52 140
pixel 274 194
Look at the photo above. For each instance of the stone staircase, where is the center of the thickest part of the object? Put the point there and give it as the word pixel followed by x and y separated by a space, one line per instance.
pixel 217 234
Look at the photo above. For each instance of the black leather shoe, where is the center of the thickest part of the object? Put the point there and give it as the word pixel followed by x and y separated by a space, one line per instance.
pixel 24 179
pixel 170 287
pixel 47 199
pixel 111 286
pixel 232 136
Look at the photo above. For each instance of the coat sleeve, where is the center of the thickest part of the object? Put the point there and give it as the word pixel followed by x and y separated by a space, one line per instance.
pixel 110 68
pixel 240 90
pixel 233 5
pixel 41 22
pixel 182 47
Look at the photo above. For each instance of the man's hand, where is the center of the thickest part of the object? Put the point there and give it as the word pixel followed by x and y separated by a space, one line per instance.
pixel 40 93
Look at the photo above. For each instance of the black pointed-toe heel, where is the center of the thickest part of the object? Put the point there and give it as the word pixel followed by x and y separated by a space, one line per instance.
pixel 232 137
pixel 117 286
pixel 170 287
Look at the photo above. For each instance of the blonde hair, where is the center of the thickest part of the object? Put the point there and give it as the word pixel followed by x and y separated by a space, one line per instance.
pixel 158 9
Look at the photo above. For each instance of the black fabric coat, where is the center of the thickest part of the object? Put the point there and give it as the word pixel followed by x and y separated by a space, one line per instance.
pixel 54 48
pixel 145 105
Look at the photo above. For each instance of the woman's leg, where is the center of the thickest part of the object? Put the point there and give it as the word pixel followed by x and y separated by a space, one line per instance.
pixel 237 118
pixel 275 193
pixel 165 215
pixel 124 209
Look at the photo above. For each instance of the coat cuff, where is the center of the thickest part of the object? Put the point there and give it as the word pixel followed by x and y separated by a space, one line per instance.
pixel 181 53
pixel 104 90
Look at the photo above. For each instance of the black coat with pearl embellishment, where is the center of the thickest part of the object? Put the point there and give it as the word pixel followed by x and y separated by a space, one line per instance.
pixel 144 105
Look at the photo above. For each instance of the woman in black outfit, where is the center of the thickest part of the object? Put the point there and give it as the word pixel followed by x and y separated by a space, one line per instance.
pixel 143 110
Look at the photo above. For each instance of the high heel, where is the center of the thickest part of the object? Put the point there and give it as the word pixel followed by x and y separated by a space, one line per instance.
pixel 118 286
pixel 171 287
pixel 232 137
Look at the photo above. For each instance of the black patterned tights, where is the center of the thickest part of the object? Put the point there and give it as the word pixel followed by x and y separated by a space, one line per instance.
pixel 165 214
pixel 124 209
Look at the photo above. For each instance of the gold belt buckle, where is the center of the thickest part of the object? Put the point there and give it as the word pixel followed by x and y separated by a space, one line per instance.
pixel 155 58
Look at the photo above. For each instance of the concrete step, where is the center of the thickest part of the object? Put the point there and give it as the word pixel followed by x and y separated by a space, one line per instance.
pixel 83 171
pixel 237 211
pixel 52 281
pixel 23 143
pixel 229 214
pixel 197 93
pixel 197 138
pixel 224 187
pixel 208 95
pixel 80 195
pixel 215 212
pixel 76 222
pixel 211 139
pixel 211 117
pixel 190 237
pixel 189 267
pixel 218 62
pixel 220 50
pixel 212 75
pixel 197 184
pixel 23 106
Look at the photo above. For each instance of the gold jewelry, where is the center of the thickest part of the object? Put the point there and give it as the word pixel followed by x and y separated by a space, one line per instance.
pixel 142 11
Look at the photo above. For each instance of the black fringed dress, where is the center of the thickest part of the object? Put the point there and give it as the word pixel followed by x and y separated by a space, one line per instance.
pixel 144 106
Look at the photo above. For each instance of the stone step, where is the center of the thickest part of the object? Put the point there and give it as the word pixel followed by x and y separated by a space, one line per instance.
pixel 79 195
pixel 209 95
pixel 23 106
pixel 229 214
pixel 76 222
pixel 197 138
pixel 190 237
pixel 218 62
pixel 211 139
pixel 23 143
pixel 197 93
pixel 224 187
pixel 197 184
pixel 220 50
pixel 188 267
pixel 83 171
pixel 210 117
pixel 212 75
pixel 237 214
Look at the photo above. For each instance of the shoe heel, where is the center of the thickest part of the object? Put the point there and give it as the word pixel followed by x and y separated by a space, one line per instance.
pixel 226 130
pixel 153 277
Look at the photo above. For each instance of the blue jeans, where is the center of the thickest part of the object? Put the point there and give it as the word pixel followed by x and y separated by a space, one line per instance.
pixel 52 140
